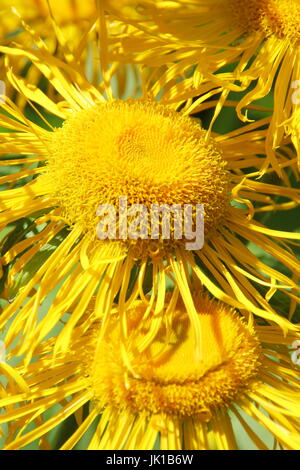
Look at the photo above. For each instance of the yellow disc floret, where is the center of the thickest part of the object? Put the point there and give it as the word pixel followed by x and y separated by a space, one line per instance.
pixel 272 17
pixel 138 149
pixel 167 377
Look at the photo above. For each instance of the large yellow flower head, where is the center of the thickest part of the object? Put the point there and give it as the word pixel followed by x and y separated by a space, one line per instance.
pixel 168 376
pixel 195 40
pixel 167 395
pixel 108 147
pixel 278 18
pixel 141 149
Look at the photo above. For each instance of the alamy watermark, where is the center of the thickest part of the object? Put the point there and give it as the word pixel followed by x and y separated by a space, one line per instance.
pixel 166 222
pixel 2 92
pixel 296 94
pixel 2 352
pixel 295 357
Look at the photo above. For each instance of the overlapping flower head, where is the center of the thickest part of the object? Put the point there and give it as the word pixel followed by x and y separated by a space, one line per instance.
pixel 170 399
pixel 108 147
pixel 258 42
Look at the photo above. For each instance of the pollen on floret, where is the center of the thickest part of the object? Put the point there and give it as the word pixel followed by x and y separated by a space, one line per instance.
pixel 280 18
pixel 168 377
pixel 143 150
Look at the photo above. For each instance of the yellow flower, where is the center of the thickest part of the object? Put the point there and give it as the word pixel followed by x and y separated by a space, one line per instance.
pixel 168 396
pixel 66 12
pixel 149 153
pixel 73 20
pixel 195 40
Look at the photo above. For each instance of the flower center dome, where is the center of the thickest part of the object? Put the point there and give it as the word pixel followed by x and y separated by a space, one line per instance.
pixel 272 17
pixel 168 377
pixel 140 150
